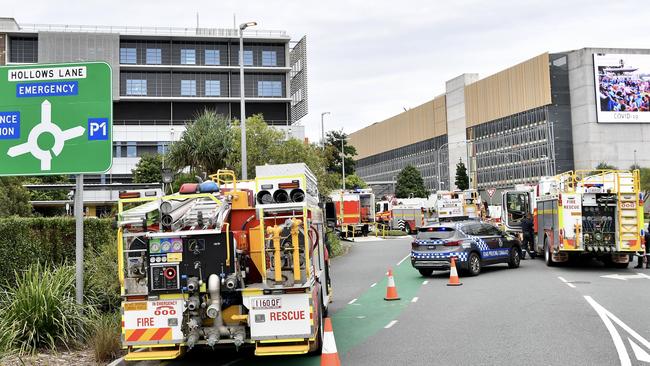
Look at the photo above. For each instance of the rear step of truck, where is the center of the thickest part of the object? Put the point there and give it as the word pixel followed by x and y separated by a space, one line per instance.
pixel 152 354
pixel 285 348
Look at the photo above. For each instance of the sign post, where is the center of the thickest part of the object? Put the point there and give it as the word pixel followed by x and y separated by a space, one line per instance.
pixel 57 119
pixel 490 192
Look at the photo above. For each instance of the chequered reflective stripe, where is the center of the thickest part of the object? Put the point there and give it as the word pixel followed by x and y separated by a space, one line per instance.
pixel 480 243
pixel 460 256
pixel 430 242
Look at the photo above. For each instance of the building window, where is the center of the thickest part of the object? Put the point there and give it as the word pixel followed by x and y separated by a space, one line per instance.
pixel 248 58
pixel 163 147
pixel 154 56
pixel 117 150
pixel 269 58
pixel 269 88
pixel 131 150
pixel 188 56
pixel 212 88
pixel 128 55
pixel 212 57
pixel 188 88
pixel 136 87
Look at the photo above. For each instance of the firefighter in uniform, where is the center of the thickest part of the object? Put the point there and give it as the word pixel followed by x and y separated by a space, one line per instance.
pixel 644 257
pixel 528 232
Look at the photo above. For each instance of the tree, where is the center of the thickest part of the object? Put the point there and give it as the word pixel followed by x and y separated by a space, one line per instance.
pixel 410 183
pixel 205 145
pixel 333 153
pixel 262 143
pixel 14 198
pixel 354 181
pixel 603 165
pixel 462 179
pixel 148 169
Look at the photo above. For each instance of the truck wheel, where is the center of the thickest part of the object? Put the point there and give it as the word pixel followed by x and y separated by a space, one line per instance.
pixel 515 258
pixel 474 264
pixel 425 272
pixel 317 347
pixel 620 265
pixel 548 257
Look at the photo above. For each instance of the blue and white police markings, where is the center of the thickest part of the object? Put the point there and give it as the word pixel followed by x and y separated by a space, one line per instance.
pixel 460 256
pixel 9 125
pixel 97 129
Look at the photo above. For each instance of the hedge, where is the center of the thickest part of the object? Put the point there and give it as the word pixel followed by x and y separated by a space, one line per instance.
pixel 24 241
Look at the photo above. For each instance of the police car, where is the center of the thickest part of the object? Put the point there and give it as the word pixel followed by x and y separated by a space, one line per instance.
pixel 474 244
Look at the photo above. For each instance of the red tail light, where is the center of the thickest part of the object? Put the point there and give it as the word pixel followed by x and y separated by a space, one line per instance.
pixel 452 243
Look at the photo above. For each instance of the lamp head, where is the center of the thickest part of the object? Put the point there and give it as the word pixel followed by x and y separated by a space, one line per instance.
pixel 246 25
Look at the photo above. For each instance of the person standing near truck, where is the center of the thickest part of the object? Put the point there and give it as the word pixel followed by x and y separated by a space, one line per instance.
pixel 644 257
pixel 528 233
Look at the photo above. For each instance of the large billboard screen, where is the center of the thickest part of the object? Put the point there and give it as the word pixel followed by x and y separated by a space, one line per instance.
pixel 622 88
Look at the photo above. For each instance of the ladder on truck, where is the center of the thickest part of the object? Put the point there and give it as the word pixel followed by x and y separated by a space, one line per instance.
pixel 627 184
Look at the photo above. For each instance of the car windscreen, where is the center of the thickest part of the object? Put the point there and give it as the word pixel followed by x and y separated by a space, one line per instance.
pixel 439 232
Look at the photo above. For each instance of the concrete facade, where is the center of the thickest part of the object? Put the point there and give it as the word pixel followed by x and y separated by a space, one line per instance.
pixel 456 125
pixel 593 142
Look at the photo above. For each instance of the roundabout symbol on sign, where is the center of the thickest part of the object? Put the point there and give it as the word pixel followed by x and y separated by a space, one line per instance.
pixel 46 126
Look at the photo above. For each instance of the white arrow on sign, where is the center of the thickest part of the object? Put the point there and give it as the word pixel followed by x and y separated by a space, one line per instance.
pixel 627 277
pixel 609 319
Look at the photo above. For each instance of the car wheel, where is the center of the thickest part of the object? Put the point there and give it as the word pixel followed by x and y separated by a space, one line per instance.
pixel 548 257
pixel 474 264
pixel 425 272
pixel 514 258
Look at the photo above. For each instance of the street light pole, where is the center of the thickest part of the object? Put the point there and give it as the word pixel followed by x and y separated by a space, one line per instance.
pixel 322 128
pixel 343 161
pixel 244 167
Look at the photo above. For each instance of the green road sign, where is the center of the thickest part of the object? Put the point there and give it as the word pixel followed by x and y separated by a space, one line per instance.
pixel 56 119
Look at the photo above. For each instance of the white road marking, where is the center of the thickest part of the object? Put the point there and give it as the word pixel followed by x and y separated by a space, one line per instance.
pixel 233 362
pixel 425 282
pixel 374 284
pixel 403 259
pixel 607 318
pixel 567 282
pixel 415 299
pixel 361 317
pixel 626 277
pixel 352 301
pixel 390 324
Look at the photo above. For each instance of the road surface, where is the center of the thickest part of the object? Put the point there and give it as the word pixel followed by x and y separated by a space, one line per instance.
pixel 533 315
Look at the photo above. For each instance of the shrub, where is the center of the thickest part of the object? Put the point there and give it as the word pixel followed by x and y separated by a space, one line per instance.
pixel 105 337
pixel 40 311
pixel 25 241
pixel 335 246
pixel 102 286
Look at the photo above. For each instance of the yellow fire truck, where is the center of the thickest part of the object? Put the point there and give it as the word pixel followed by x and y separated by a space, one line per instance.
pixel 580 213
pixel 221 265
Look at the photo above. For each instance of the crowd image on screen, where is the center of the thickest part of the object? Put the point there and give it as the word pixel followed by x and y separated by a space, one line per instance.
pixel 624 93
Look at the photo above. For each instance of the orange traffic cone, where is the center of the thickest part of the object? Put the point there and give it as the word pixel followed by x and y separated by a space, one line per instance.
pixel 330 356
pixel 453 274
pixel 391 290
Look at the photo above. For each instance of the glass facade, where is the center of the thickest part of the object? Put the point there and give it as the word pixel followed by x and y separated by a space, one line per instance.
pixel 269 88
pixel 269 58
pixel 212 88
pixel 212 57
pixel 23 49
pixel 188 56
pixel 128 55
pixel 430 157
pixel 136 87
pixel 188 88
pixel 154 56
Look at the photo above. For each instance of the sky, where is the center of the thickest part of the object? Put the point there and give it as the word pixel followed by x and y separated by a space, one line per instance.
pixel 370 60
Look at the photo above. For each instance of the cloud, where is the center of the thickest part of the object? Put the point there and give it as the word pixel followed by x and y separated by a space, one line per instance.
pixel 369 59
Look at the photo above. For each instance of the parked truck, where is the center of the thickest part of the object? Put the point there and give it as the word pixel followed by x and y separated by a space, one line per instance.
pixel 225 266
pixel 355 211
pixel 582 213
